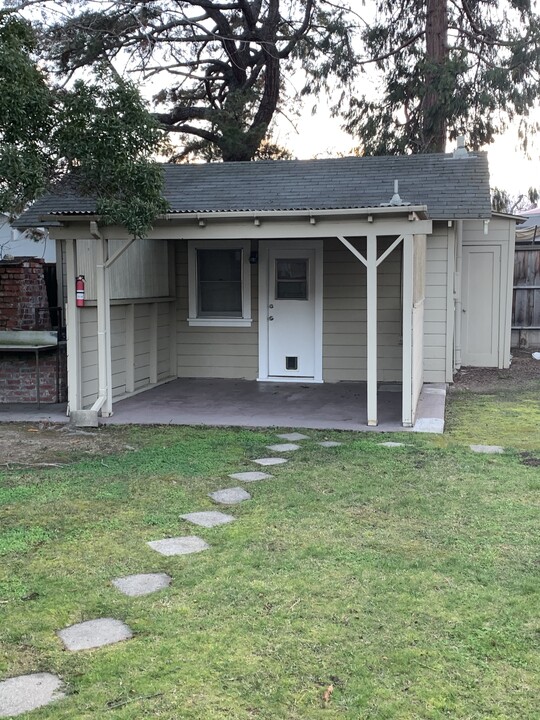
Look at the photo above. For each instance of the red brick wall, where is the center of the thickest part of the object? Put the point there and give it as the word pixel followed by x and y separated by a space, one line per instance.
pixel 23 295
pixel 18 377
pixel 24 306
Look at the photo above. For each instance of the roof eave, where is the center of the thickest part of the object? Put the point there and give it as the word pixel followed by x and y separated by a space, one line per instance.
pixel 420 211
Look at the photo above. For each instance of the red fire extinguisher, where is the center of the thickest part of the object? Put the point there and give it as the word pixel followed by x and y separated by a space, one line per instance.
pixel 79 290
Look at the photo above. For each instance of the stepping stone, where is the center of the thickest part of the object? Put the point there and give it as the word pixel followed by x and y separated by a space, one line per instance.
pixel 94 633
pixel 392 444
pixel 283 447
pixel 136 585
pixel 293 437
pixel 208 518
pixel 488 449
pixel 231 496
pixel 19 695
pixel 251 476
pixel 270 461
pixel 329 443
pixel 179 545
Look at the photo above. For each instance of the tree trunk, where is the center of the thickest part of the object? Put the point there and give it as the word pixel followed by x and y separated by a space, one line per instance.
pixel 434 122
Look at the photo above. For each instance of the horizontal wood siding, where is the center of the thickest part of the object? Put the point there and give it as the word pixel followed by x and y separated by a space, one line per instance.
pixel 220 352
pixel 344 315
pixel 436 305
pixel 89 355
pixel 142 351
pixel 118 349
pixel 140 272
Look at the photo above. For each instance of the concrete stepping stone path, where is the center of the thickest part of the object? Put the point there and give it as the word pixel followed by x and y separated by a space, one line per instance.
pixel 270 461
pixel 94 633
pixel 230 496
pixel 283 447
pixel 292 437
pixel 329 443
pixel 179 545
pixel 251 476
pixel 392 444
pixel 143 584
pixel 208 518
pixel 487 449
pixel 19 695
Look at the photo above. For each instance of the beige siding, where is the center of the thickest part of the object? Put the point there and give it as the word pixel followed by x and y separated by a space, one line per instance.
pixel 436 309
pixel 149 342
pixel 140 272
pixel 221 352
pixel 344 315
pixel 501 232
pixel 89 367
pixel 418 310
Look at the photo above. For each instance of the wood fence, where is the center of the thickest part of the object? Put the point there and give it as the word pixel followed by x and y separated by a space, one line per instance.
pixel 526 300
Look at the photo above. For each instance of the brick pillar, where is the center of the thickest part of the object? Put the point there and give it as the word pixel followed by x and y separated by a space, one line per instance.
pixel 23 295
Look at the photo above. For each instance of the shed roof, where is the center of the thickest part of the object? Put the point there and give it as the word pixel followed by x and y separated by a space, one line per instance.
pixel 451 187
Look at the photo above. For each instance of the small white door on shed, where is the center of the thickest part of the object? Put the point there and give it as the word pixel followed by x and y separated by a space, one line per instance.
pixel 481 276
pixel 293 324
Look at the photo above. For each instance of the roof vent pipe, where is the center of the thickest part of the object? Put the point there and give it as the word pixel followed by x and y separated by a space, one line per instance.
pixel 461 149
pixel 396 200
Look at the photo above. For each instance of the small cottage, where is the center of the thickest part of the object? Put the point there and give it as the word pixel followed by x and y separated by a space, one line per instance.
pixel 370 270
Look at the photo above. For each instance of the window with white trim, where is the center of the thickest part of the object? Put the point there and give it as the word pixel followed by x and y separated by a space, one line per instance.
pixel 219 283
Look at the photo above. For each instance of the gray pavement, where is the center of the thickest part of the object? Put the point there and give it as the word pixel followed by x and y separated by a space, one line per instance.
pixel 246 403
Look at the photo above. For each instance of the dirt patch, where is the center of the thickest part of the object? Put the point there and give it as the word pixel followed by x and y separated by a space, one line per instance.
pixel 524 370
pixel 45 444
pixel 529 459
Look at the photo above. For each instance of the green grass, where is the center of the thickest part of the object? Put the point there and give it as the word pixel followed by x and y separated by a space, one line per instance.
pixel 407 578
pixel 507 418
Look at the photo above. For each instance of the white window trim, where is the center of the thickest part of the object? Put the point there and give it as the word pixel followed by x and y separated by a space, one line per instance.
pixel 245 247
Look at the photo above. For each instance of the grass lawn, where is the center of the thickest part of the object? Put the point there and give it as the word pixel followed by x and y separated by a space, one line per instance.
pixel 404 578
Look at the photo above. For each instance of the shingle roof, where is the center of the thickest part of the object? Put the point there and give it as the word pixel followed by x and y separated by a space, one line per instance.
pixel 450 187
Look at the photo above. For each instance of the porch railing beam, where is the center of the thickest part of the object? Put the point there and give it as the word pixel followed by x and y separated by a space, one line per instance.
pixel 357 254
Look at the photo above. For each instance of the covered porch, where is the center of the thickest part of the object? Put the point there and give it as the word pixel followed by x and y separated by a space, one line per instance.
pixel 245 403
pixel 112 335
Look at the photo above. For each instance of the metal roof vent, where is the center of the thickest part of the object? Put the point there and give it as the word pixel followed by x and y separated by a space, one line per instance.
pixel 396 200
pixel 461 149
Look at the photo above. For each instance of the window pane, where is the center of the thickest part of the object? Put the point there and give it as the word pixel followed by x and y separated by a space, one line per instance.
pixel 291 279
pixel 218 265
pixel 219 281
pixel 292 290
pixel 220 298
pixel 291 269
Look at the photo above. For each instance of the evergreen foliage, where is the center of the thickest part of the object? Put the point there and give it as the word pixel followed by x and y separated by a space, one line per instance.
pixel 447 69
pixel 99 132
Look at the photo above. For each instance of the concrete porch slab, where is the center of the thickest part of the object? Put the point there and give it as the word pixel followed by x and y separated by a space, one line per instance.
pixel 246 403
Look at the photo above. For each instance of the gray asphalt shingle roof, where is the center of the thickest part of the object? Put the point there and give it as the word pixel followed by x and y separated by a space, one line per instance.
pixel 450 187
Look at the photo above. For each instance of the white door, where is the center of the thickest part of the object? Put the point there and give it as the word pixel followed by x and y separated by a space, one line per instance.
pixel 293 302
pixel 480 305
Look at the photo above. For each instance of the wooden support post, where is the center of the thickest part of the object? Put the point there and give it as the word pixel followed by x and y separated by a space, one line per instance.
pixel 130 348
pixel 104 401
pixel 173 353
pixel 407 366
pixel 372 418
pixel 153 359
pixel 73 330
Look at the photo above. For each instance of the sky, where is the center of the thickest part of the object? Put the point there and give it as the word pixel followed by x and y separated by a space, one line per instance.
pixel 321 135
